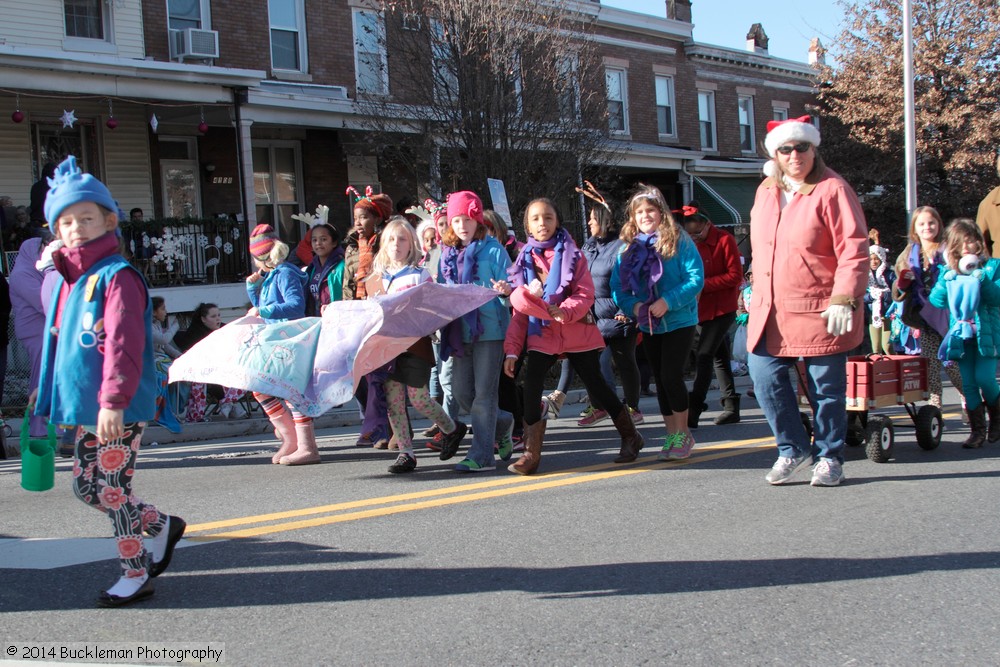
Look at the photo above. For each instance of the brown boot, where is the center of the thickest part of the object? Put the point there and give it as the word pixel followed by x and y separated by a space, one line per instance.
pixel 993 410
pixel 284 429
pixel 631 440
pixel 307 451
pixel 532 456
pixel 977 426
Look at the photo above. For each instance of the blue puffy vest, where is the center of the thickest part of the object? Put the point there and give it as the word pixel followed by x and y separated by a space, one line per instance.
pixel 73 361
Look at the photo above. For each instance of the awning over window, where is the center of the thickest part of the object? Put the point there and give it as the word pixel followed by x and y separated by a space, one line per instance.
pixel 726 201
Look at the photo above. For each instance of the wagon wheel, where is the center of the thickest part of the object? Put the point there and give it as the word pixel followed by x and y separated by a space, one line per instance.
pixel 856 435
pixel 929 424
pixel 878 445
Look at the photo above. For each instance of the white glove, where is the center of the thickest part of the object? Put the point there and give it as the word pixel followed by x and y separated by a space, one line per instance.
pixel 536 288
pixel 839 320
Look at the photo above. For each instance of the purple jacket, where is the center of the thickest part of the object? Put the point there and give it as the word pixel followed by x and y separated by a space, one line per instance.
pixel 26 292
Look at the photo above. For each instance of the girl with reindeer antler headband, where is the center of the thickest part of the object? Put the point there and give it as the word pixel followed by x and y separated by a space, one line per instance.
pixel 370 213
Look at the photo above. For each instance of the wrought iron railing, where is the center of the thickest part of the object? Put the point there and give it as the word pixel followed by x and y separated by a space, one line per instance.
pixel 188 251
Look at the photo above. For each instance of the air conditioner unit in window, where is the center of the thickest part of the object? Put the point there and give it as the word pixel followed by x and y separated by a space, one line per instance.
pixel 194 43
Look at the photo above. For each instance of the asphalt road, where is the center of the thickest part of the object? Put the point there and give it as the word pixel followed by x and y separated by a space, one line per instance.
pixel 590 563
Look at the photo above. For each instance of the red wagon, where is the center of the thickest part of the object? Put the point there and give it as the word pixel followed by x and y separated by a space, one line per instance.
pixel 878 381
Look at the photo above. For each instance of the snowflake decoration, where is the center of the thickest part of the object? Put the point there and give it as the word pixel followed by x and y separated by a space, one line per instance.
pixel 169 249
pixel 218 240
pixel 227 248
pixel 202 240
pixel 236 233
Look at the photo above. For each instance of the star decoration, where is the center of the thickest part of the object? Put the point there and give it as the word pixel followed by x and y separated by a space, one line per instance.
pixel 68 118
pixel 154 123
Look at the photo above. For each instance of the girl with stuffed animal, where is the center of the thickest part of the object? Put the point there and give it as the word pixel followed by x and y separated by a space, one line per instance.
pixel 657 280
pixel 967 288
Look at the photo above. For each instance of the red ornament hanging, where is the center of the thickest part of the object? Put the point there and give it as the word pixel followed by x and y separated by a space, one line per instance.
pixel 203 127
pixel 18 115
pixel 111 122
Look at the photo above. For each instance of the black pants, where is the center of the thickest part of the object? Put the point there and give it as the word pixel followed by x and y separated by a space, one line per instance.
pixel 667 353
pixel 622 352
pixel 588 368
pixel 714 349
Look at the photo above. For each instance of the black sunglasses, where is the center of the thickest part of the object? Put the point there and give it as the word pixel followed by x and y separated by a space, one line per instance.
pixel 801 147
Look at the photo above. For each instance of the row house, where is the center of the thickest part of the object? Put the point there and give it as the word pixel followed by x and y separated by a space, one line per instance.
pixel 245 111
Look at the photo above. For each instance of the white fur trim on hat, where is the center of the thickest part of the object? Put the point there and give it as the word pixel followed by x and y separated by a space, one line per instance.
pixel 793 129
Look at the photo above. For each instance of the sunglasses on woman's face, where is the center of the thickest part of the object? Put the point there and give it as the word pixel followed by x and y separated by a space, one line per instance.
pixel 801 147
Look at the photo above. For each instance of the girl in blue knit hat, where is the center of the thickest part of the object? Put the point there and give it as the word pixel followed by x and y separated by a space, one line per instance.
pixel 98 375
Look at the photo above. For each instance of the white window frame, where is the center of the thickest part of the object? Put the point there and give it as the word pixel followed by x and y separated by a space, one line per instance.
pixel 747 101
pixel 713 143
pixel 380 37
pixel 622 72
pixel 105 44
pixel 779 113
pixel 270 145
pixel 299 30
pixel 670 104
pixel 204 23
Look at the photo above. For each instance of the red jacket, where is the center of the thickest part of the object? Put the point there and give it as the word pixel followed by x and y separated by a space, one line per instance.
pixel 807 256
pixel 723 274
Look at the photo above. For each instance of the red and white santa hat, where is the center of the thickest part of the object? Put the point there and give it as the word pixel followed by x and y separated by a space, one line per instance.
pixel 780 132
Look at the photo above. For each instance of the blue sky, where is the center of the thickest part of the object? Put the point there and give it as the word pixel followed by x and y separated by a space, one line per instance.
pixel 789 25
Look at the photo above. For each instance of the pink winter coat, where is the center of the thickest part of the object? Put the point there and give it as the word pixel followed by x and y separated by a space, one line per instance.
pixel 578 333
pixel 810 255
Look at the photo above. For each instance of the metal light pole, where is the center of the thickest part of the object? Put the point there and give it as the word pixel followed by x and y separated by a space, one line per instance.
pixel 909 124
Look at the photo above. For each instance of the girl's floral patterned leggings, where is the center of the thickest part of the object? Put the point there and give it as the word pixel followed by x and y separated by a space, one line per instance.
pixel 102 478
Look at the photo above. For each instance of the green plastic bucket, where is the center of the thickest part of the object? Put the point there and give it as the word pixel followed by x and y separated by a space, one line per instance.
pixel 38 458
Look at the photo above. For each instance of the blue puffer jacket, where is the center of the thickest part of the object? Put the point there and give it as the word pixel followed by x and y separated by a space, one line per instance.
pixel 281 295
pixel 601 256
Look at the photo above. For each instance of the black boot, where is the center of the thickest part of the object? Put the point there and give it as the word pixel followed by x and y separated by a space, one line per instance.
pixel 977 426
pixel 993 409
pixel 695 408
pixel 730 411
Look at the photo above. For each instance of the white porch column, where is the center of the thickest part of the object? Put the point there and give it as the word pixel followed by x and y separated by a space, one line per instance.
pixel 246 150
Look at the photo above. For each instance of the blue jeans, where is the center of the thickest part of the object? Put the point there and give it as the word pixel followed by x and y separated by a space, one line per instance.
pixel 826 380
pixel 470 385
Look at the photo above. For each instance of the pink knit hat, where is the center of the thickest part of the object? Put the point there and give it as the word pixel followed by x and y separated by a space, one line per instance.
pixel 467 203
pixel 262 239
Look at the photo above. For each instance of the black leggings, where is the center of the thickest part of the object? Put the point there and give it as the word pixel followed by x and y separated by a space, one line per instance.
pixel 713 350
pixel 587 366
pixel 667 354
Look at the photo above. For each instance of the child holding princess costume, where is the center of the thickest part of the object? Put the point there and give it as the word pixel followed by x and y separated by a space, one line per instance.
pixel 656 280
pixel 98 374
pixel 396 269
pixel 277 292
pixel 552 296
pixel 973 339
pixel 472 346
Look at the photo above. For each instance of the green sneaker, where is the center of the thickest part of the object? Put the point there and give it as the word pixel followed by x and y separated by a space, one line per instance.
pixel 468 465
pixel 668 444
pixel 505 448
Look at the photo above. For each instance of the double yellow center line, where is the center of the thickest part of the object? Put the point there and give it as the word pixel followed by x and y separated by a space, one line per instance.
pixel 279 522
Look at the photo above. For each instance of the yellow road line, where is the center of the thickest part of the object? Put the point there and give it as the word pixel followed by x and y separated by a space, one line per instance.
pixel 459 494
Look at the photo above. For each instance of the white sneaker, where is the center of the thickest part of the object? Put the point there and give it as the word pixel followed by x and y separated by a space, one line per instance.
pixel 827 472
pixel 785 468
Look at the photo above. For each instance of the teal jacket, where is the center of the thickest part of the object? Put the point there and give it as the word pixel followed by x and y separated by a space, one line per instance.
pixel 988 313
pixel 682 281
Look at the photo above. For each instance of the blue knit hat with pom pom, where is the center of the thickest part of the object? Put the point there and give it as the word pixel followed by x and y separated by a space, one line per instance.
pixel 71 186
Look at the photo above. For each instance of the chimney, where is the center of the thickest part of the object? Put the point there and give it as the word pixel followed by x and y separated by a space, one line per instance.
pixel 817 54
pixel 757 39
pixel 679 10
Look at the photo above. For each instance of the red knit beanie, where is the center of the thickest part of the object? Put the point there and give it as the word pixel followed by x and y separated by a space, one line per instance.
pixel 262 239
pixel 380 205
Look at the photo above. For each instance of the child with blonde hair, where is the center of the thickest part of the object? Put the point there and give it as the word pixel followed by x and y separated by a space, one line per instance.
pixel 396 268
pixel 656 280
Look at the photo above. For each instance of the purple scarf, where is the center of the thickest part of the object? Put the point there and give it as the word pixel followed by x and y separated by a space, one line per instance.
pixel 459 267
pixel 937 318
pixel 640 269
pixel 564 261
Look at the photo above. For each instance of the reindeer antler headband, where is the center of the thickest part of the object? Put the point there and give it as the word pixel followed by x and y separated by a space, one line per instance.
pixel 590 192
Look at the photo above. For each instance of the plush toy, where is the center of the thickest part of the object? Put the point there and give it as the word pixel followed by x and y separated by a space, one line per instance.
pixel 963 303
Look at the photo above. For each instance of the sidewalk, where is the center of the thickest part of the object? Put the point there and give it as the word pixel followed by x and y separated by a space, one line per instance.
pixel 345 415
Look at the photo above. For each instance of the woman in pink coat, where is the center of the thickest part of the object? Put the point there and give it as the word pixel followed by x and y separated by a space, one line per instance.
pixel 810 260
pixel 551 291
